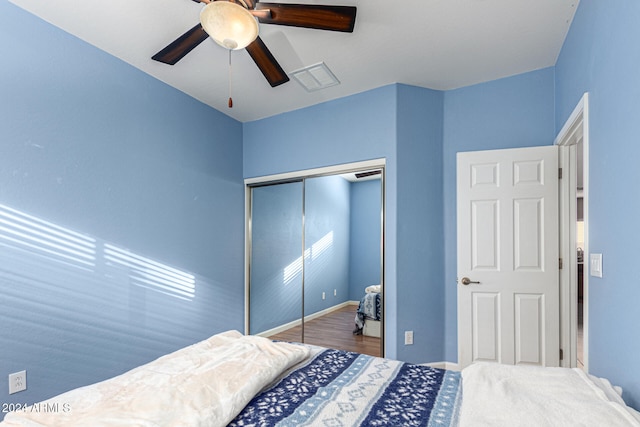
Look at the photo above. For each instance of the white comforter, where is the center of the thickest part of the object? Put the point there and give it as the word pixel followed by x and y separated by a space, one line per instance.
pixel 206 384
pixel 373 289
pixel 502 395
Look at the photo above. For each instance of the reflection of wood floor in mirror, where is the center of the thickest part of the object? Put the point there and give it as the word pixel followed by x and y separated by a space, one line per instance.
pixel 333 330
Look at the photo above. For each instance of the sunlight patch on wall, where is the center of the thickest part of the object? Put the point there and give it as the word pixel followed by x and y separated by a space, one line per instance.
pixel 32 234
pixel 150 274
pixel 291 271
pixel 319 247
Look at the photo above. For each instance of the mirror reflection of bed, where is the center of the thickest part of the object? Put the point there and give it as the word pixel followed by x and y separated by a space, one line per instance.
pixel 315 247
pixel 369 312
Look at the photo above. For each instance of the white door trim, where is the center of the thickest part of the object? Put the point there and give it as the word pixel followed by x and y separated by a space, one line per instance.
pixel 575 129
pixel 326 170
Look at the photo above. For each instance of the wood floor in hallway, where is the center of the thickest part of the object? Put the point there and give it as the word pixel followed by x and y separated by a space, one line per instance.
pixel 334 330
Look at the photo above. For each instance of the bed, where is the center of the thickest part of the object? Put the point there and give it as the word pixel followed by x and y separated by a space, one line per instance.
pixel 369 313
pixel 237 380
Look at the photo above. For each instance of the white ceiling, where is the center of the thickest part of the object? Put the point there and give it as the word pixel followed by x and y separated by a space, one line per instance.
pixel 437 44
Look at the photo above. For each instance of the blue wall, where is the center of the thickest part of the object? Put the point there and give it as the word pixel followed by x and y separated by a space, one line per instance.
pixel 506 113
pixel 364 249
pixel 600 56
pixel 121 204
pixel 420 223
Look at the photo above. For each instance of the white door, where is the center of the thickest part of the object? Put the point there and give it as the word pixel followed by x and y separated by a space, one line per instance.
pixel 508 242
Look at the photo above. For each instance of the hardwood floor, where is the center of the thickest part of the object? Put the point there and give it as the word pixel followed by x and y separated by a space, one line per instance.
pixel 334 330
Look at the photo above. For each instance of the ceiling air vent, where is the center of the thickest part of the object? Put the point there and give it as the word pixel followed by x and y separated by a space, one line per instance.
pixel 361 175
pixel 315 77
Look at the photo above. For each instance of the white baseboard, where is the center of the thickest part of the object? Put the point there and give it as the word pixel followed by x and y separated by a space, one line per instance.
pixel 444 365
pixel 297 322
pixel 327 311
pixel 279 329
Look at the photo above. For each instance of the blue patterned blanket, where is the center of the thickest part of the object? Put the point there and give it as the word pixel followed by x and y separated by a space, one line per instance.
pixel 338 388
pixel 370 307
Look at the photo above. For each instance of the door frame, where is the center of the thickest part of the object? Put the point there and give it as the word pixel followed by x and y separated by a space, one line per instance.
pixel 313 173
pixel 575 129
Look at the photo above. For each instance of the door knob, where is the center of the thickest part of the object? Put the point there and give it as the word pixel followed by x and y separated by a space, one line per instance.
pixel 467 281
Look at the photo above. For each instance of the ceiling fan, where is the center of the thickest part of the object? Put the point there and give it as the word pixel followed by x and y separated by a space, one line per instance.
pixel 334 18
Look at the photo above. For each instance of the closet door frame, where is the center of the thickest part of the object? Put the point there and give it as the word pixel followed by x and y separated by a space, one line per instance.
pixel 302 175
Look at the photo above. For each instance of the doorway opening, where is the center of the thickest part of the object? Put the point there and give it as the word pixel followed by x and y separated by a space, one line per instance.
pixel 573 142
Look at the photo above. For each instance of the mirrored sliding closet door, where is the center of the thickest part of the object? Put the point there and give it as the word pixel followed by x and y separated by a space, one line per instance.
pixel 315 260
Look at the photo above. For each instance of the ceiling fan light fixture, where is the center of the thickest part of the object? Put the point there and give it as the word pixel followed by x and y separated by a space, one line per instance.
pixel 229 24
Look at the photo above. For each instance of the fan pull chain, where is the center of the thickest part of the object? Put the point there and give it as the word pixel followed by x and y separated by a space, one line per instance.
pixel 230 74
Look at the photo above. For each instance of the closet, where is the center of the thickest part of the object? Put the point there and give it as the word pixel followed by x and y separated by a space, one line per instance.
pixel 314 243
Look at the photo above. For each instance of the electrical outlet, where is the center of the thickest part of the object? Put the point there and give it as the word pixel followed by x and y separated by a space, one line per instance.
pixel 17 382
pixel 408 337
pixel 335 292
pixel 323 295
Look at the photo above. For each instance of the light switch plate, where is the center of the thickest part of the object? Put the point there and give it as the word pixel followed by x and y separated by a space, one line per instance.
pixel 408 337
pixel 595 265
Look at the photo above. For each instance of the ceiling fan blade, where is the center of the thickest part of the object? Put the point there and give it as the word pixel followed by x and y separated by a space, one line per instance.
pixel 265 61
pixel 181 46
pixel 334 18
